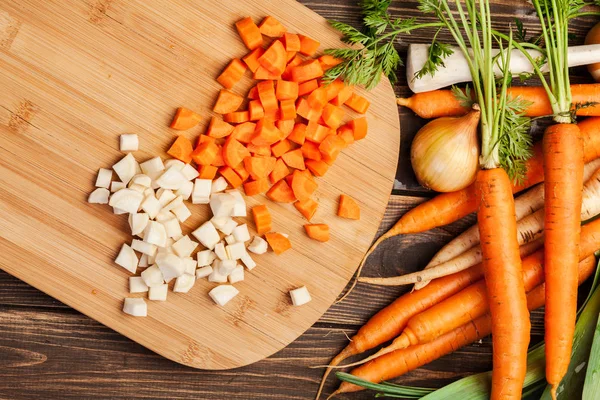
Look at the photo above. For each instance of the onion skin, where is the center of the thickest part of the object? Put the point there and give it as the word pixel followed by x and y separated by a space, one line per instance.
pixel 593 37
pixel 445 152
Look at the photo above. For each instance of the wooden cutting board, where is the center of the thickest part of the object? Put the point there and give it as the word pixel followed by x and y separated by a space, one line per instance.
pixel 74 75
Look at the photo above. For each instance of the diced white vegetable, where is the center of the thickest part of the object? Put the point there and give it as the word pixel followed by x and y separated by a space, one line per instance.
pixel 127 258
pixel 228 227
pixel 168 248
pixel 151 206
pixel 258 245
pixel 182 213
pixel 224 266
pixel 104 178
pixel 300 296
pixel 185 190
pixel 158 293
pixel 170 265
pixel 241 234
pixel 118 211
pixel 126 200
pixel 165 196
pixel 218 185
pixel 148 192
pixel 137 285
pixel 219 222
pixel 172 179
pixel 248 261
pixel 152 276
pixel 190 172
pixel 152 260
pixel 138 222
pixel 142 179
pixel 176 202
pixel 155 233
pixel 202 191
pixel 190 265
pixel 237 275
pixel 163 216
pixel 174 163
pixel 207 235
pixel 143 263
pixel 220 251
pixel 99 196
pixel 172 227
pixel 236 251
pixel 216 276
pixel 143 247
pixel 239 209
pixel 221 204
pixel 184 246
pixel 136 307
pixel 152 166
pixel 203 272
pixel 126 168
pixel 205 257
pixel 229 239
pixel 154 176
pixel 115 186
pixel 137 188
pixel 222 294
pixel 184 283
pixel 138 169
pixel 129 142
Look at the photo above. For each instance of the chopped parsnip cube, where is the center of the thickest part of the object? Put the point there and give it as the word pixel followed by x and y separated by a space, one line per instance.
pixel 158 293
pixel 222 294
pixel 127 258
pixel 129 142
pixel 300 296
pixel 99 196
pixel 104 178
pixel 137 285
pixel 136 307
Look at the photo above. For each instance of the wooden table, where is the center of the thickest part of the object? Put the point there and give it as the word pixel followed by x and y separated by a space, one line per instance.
pixel 49 351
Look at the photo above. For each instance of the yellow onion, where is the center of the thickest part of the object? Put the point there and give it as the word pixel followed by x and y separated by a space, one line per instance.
pixel 445 152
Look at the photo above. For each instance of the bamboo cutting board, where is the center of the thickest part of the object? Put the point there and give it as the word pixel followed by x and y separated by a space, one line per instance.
pixel 74 75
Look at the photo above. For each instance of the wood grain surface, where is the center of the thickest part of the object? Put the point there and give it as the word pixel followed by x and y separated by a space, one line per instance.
pixel 49 351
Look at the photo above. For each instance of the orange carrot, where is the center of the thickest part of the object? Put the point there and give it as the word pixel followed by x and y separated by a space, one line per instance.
pixel 278 242
pixel 287 110
pixel 266 94
pixel 310 151
pixel 348 208
pixel 306 111
pixel 279 172
pixel 298 134
pixel 317 167
pixel 205 138
pixel 280 148
pixel 262 74
pixel 242 173
pixel 328 62
pixel 333 89
pixel 185 119
pixel 317 99
pixel 253 93
pixel 271 27
pixel 262 219
pixel 285 127
pixel 252 188
pixel 227 102
pixel 232 74
pixel 274 58
pixel 291 41
pixel 181 149
pixel 294 159
pixel 302 186
pixel 219 128
pixel 359 127
pixel 259 167
pixel 316 132
pixel 331 147
pixel 318 232
pixel 358 103
pixel 308 46
pixel 259 150
pixel 306 71
pixel 343 96
pixel 207 172
pixel 307 208
pixel 205 153
pixel 237 117
pixel 255 110
pixel 266 133
pixel 281 192
pixel 272 115
pixel 219 161
pixel 346 133
pixel 234 152
pixel 243 132
pixel 287 74
pixel 249 33
pixel 307 87
pixel 230 176
pixel 251 59
pixel 286 90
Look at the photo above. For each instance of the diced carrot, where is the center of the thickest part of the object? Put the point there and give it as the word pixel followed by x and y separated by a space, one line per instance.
pixel 230 176
pixel 279 149
pixel 259 150
pixel 331 147
pixel 294 159
pixel 290 56
pixel 347 134
pixel 317 99
pixel 253 93
pixel 271 27
pixel 332 115
pixel 252 188
pixel 250 33
pixel 278 242
pixel 207 172
pixel 302 186
pixel 287 110
pixel 327 61
pixel 289 179
pixel 232 74
pixel 280 171
pixel 272 115
pixel 274 58
pixel 307 208
pixel 310 151
pixel 227 102
pixel 316 132
pixel 243 132
pixel 251 59
pixel 358 103
pixel 359 127
pixel 219 161
pixel 237 117
pixel 348 208
pixel 262 219
pixel 298 134
pixel 185 119
pixel 266 133
pixel 306 173
pixel 287 74
pixel 204 138
pixel 286 90
pixel 281 192
pixel 241 172
pixel 317 167
pixel 255 110
pixel 318 232
pixel 307 87
pixel 266 94
pixel 285 127
pixel 304 110
pixel 333 89
pixel 234 152
pixel 205 153
pixel 291 41
pixel 219 128
pixel 181 149
pixel 259 167
pixel 308 46
pixel 343 96
pixel 306 71
pixel 263 74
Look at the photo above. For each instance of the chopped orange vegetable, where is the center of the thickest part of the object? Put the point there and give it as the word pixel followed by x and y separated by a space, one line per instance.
pixel 327 61
pixel 298 134
pixel 310 151
pixel 251 59
pixel 262 219
pixel 348 208
pixel 204 138
pixel 271 27
pixel 307 208
pixel 243 132
pixel 281 192
pixel 259 150
pixel 343 96
pixel 332 115
pixel 274 58
pixel 263 74
pixel 330 148
pixel 253 93
pixel 317 167
pixel 278 242
pixel 304 110
pixel 255 110
pixel 279 172
pixel 237 117
pixel 207 172
pixel 287 74
pixel 219 161
pixel 302 186
pixel 266 94
pixel 205 153
pixel 185 119
pixel 252 188
pixel 358 103
pixel 306 71
pixel 234 152
pixel 308 46
pixel 232 74
pixel 290 56
pixel 241 172
pixel 316 132
pixel 181 149
pixel 318 98
pixel 291 41
pixel 266 133
pixel 259 167
pixel 231 177
pixel 250 33
pixel 272 115
pixel 219 128
pixel 279 149
pixel 286 90
pixel 287 110
pixel 347 134
pixel 333 89
pixel 294 159
pixel 359 127
pixel 307 87
pixel 319 232
pixel 285 127
pixel 227 102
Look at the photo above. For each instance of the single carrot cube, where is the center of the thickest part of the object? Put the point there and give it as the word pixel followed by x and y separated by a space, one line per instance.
pixel 310 151
pixel 185 119
pixel 230 176
pixel 306 71
pixel 285 127
pixel 281 192
pixel 280 148
pixel 333 89
pixel 266 133
pixel 308 46
pixel 234 152
pixel 241 172
pixel 286 90
pixel 332 115
pixel 266 94
pixel 318 232
pixel 255 110
pixel 271 27
pixel 250 33
pixel 294 159
pixel 348 208
pixel 327 61
pixel 307 87
pixel 343 96
pixel 278 242
pixel 219 128
pixel 259 167
pixel 252 188
pixel 251 59
pixel 302 186
pixel 346 134
pixel 227 102
pixel 292 42
pixel 263 74
pixel 181 149
pixel 232 74
pixel 331 147
pixel 253 93
pixel 274 58
pixel 317 167
pixel 262 219
pixel 287 110
pixel 280 171
pixel 316 132
pixel 243 132
pixel 359 127
pixel 304 110
pixel 206 153
pixel 307 208
pixel 207 172
pixel 259 150
pixel 237 117
pixel 358 103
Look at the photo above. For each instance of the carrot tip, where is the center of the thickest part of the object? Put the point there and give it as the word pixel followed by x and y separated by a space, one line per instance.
pixel 333 394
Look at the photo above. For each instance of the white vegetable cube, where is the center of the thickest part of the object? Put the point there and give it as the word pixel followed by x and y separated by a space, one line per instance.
pixel 152 276
pixel 118 211
pixel 143 263
pixel 167 248
pixel 99 196
pixel 221 204
pixel 170 265
pixel 184 283
pixel 185 190
pixel 127 258
pixel 176 202
pixel 158 293
pixel 216 276
pixel 115 186
pixel 172 162
pixel 235 251
pixel 224 267
pixel 239 209
pixel 126 168
pixel 229 239
pixel 127 200
pixel 248 261
pixel 138 222
pixel 137 285
pixel 202 191
pixel 154 176
pixel 172 179
pixel 155 233
pixel 190 172
pixel 222 294
pixel 152 166
pixel 203 272
pixel 220 251
pixel 104 177
pixel 218 185
pixel 182 213
pixel 151 206
pixel 241 234
pixel 258 245
pixel 163 216
pixel 237 275
pixel 205 257
pixel 151 260
pixel 129 142
pixel 138 169
pixel 184 246
pixel 143 247
pixel 165 196
pixel 137 188
pixel 190 266
pixel 300 296
pixel 136 307
pixel 142 180
pixel 227 227
pixel 207 235
pixel 172 227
